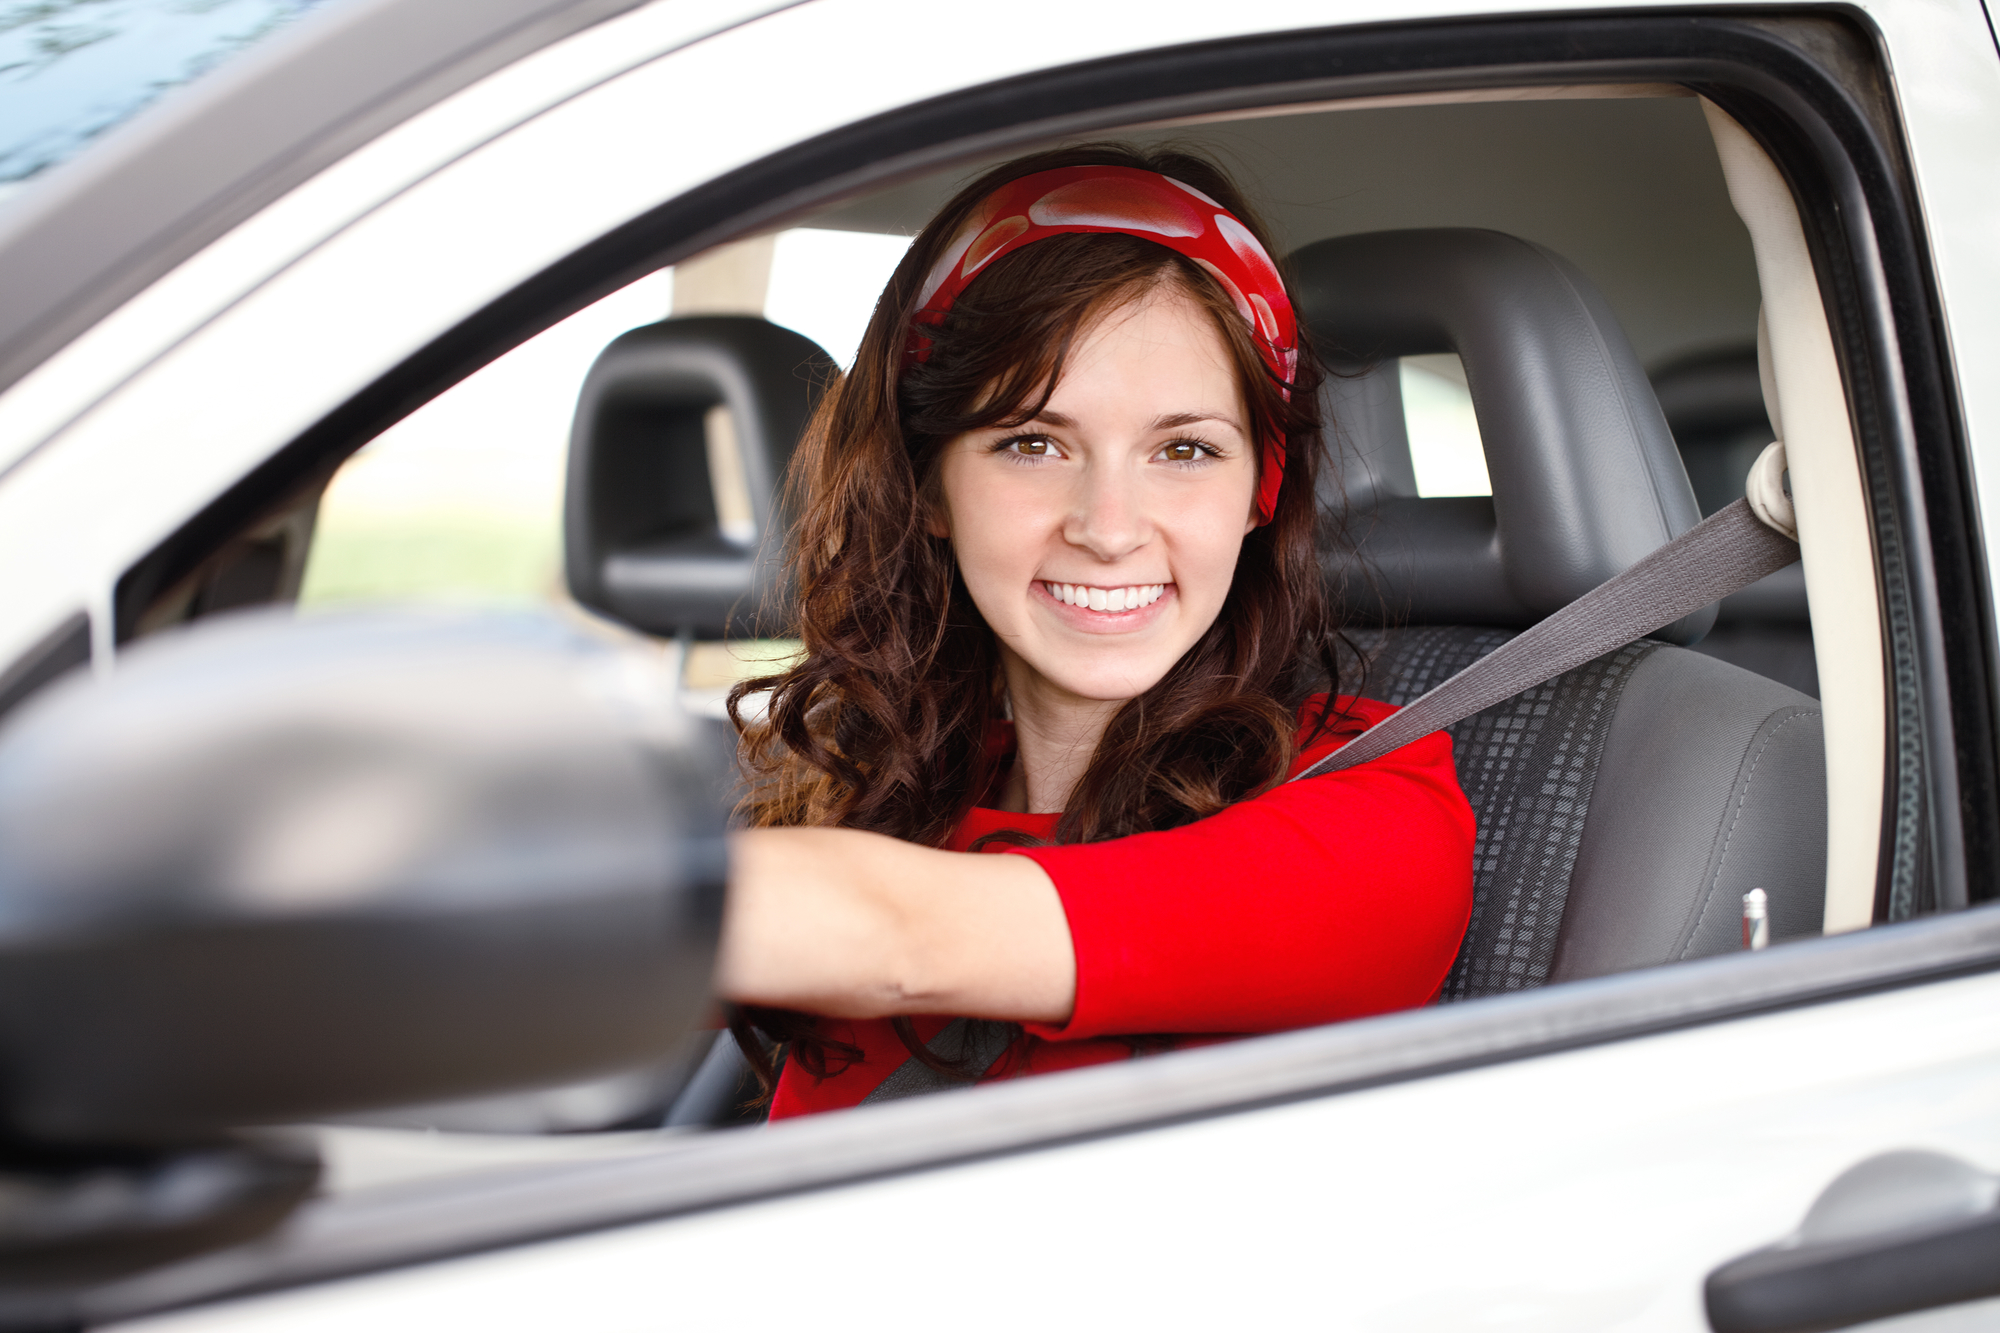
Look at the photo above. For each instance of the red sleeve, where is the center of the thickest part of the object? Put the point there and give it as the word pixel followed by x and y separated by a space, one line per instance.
pixel 1331 898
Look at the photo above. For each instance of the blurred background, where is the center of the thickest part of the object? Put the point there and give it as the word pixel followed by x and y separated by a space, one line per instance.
pixel 464 497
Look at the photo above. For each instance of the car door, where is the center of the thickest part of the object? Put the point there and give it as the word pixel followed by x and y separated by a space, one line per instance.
pixel 1579 1156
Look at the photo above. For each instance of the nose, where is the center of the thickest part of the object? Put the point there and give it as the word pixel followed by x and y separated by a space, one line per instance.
pixel 1108 515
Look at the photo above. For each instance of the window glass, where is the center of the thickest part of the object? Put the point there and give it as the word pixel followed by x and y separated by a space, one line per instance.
pixel 1444 432
pixel 462 499
pixel 72 69
pixel 824 284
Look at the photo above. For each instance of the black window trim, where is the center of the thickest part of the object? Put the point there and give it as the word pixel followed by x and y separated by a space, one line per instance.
pixel 1809 87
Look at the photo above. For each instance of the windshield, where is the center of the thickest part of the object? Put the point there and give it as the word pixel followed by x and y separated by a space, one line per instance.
pixel 72 69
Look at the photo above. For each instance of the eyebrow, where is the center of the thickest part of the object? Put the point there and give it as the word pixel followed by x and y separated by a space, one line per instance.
pixel 1174 419
pixel 1170 421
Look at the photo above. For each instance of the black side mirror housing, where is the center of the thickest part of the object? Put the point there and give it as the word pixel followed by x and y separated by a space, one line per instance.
pixel 275 869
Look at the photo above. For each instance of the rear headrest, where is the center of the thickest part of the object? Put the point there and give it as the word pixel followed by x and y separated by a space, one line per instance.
pixel 642 539
pixel 1586 479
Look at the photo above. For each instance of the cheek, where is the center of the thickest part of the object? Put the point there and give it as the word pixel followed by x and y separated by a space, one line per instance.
pixel 991 523
pixel 985 559
pixel 1208 539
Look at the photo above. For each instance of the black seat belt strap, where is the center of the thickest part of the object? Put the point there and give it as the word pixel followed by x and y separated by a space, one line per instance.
pixel 971 1043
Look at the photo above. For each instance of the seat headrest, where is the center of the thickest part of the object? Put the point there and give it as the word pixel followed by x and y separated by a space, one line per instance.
pixel 1586 479
pixel 642 539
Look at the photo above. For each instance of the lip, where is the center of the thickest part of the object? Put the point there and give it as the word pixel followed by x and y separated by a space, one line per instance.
pixel 1103 622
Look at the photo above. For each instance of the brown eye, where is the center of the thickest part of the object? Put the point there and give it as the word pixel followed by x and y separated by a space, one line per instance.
pixel 1034 448
pixel 1181 452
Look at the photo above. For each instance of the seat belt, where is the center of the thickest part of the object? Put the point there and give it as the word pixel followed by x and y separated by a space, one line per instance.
pixel 971 1043
pixel 1724 553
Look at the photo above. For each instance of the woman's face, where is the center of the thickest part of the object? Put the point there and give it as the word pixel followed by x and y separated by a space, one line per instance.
pixel 1099 539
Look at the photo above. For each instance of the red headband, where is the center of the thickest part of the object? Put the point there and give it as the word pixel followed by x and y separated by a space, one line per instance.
pixel 1137 203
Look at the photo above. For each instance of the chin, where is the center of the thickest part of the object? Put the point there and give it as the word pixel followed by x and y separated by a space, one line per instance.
pixel 1108 685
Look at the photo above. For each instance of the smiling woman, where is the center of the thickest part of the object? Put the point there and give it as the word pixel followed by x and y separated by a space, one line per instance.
pixel 1059 595
pixel 1099 538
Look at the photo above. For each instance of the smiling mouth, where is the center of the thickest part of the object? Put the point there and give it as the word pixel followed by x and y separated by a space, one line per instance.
pixel 1105 600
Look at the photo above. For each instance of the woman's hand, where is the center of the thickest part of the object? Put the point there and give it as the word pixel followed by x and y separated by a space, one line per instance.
pixel 859 925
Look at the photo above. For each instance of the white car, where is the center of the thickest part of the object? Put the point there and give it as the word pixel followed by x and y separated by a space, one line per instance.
pixel 1558 230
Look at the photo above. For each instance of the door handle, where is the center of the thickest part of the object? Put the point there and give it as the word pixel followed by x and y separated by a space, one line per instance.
pixel 1900 1232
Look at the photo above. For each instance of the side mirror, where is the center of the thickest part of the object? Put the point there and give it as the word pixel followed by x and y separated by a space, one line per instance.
pixel 276 869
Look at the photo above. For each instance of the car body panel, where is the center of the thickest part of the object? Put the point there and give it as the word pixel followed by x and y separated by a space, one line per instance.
pixel 562 1187
pixel 1583 1191
pixel 1947 86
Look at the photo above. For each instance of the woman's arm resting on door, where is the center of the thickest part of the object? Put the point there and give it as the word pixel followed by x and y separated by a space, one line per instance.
pixel 858 925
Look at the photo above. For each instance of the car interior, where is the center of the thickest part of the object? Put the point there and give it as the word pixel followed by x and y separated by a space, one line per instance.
pixel 1571 258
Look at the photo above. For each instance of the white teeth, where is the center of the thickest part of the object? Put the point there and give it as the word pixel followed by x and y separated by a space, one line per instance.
pixel 1106 599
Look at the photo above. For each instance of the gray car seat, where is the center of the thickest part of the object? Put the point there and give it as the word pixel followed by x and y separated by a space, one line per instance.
pixel 1625 807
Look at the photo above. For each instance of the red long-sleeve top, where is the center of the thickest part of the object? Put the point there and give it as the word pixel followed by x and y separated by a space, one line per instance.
pixel 1337 897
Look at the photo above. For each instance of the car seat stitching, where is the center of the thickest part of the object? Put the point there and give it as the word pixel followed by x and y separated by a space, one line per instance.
pixel 1736 817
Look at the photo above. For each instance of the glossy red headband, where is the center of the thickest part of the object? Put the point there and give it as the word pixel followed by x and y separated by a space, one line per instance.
pixel 1137 203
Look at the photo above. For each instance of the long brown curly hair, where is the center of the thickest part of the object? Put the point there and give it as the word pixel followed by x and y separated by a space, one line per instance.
pixel 884 722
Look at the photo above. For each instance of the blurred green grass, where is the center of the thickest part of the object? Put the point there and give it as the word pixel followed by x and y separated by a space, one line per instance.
pixel 433 556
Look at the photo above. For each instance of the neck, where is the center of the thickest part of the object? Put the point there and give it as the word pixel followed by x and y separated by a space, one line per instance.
pixel 1056 734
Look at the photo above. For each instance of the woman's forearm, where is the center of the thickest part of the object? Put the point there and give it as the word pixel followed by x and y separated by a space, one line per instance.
pixel 858 925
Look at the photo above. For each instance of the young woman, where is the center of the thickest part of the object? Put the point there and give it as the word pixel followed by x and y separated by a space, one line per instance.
pixel 1059 598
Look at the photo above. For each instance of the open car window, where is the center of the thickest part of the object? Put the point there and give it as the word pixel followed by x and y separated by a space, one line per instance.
pixel 465 498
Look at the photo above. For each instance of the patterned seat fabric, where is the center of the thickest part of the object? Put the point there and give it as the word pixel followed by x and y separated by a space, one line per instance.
pixel 1527 765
